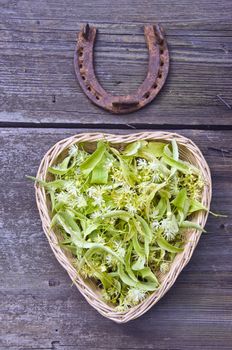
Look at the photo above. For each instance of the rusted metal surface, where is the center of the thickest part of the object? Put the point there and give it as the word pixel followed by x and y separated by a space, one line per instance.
pixel 158 66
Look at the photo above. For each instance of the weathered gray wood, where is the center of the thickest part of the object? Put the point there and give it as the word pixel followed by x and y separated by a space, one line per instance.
pixel 41 310
pixel 37 80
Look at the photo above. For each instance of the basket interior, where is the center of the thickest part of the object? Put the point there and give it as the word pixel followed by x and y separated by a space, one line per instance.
pixel 185 154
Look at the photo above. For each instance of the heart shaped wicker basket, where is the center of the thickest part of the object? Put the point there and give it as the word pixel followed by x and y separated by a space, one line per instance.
pixel 188 151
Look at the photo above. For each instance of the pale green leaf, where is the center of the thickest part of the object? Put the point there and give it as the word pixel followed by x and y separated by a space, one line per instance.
pixel 162 243
pixel 89 164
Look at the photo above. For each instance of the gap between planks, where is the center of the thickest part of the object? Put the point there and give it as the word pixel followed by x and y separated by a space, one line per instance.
pixel 135 126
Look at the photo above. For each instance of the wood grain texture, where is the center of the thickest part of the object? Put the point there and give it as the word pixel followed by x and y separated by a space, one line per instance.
pixel 41 310
pixel 37 80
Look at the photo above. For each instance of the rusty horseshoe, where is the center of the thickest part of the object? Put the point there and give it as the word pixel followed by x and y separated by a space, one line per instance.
pixel 158 66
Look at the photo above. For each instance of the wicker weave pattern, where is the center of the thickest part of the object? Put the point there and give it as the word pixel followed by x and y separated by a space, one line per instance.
pixel 188 151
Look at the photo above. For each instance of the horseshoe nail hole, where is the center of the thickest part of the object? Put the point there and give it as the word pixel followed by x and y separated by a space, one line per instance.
pixel 80 65
pixel 160 75
pixel 161 63
pixel 154 86
pixel 161 51
pixel 83 77
pixel 89 88
pixel 81 52
pixel 147 95
pixel 97 97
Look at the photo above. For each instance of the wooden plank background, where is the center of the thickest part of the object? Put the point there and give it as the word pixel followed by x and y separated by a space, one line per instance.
pixel 38 83
pixel 41 103
pixel 42 310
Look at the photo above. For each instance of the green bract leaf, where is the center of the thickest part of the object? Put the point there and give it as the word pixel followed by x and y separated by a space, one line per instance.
pixel 162 243
pixel 175 152
pixel 145 227
pixel 89 164
pixel 133 148
pixel 190 224
pixel 182 203
pixel 69 225
pixel 62 168
pixel 100 173
pixel 127 174
pixel 124 277
pixel 180 199
pixel 152 282
pixel 155 148
pixel 122 214
pixel 180 165
pixel 139 264
pixel 195 205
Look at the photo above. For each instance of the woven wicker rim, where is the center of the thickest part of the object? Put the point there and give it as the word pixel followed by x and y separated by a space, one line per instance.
pixel 190 152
